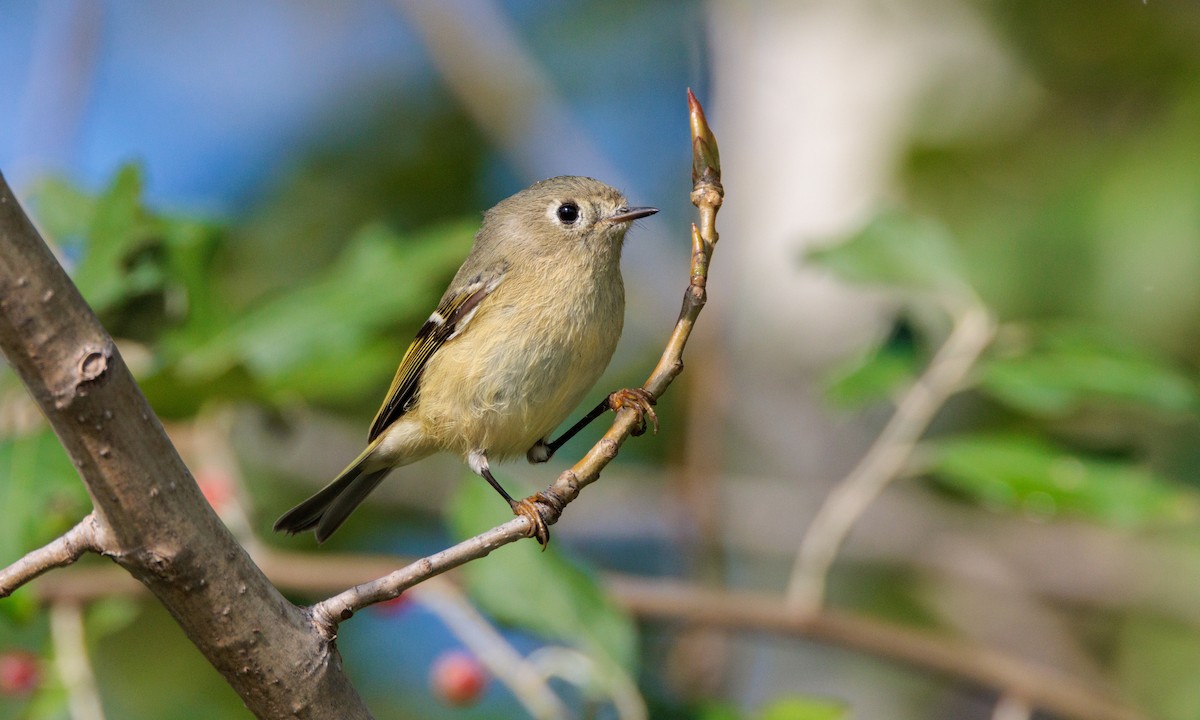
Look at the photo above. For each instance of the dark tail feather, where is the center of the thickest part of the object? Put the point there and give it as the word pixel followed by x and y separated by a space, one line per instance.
pixel 331 505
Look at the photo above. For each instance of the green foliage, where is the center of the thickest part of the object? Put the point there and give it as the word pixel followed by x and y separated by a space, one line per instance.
pixel 1156 666
pixel 797 708
pixel 1045 373
pixel 131 648
pixel 717 711
pixel 324 338
pixel 897 249
pixel 141 272
pixel 1031 475
pixel 330 339
pixel 414 163
pixel 545 592
pixel 879 374
pixel 1065 367
pixel 792 707
pixel 39 491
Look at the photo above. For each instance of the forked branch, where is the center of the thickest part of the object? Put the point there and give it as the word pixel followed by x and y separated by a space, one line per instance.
pixel 85 537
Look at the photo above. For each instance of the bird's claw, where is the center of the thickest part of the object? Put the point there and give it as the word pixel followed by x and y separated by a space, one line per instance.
pixel 641 401
pixel 528 508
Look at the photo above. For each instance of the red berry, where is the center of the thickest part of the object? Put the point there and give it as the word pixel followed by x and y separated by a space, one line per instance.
pixel 217 487
pixel 19 673
pixel 393 606
pixel 458 678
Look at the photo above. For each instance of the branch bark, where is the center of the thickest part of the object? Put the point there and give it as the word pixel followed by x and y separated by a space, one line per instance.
pixel 153 520
pixel 64 550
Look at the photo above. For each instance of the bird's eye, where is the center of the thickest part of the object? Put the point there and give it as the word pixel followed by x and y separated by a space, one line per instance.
pixel 568 213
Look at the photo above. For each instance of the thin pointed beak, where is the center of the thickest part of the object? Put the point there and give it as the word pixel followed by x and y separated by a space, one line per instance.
pixel 628 214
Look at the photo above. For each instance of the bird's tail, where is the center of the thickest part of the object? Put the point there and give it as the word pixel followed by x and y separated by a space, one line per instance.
pixel 325 511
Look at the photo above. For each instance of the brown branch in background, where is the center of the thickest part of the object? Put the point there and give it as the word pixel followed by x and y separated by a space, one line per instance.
pixel 707 194
pixel 1035 684
pixel 84 538
pixel 887 456
pixel 692 604
pixel 155 522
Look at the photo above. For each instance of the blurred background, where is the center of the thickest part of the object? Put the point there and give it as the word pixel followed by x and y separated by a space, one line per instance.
pixel 946 381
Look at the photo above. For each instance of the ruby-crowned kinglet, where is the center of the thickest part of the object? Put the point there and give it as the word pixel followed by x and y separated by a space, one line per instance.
pixel 527 326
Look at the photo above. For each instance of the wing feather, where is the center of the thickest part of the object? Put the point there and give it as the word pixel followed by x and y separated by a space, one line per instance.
pixel 452 315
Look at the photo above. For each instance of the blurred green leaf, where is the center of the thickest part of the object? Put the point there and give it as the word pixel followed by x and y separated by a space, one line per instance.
pixel 117 228
pixel 878 375
pixel 124 658
pixel 1027 474
pixel 50 700
pixel 367 172
pixel 40 492
pixel 1066 367
pixel 329 340
pixel 897 249
pixel 192 299
pixel 543 592
pixel 20 607
pixel 64 212
pixel 797 708
pixel 107 616
pixel 141 272
pixel 378 281
pixel 717 711
pixel 1155 665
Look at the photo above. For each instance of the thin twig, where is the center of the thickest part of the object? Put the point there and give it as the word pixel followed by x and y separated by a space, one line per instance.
pixel 71 658
pixel 972 333
pixel 707 195
pixel 84 538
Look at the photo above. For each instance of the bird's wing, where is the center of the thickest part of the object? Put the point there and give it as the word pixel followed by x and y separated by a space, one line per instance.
pixel 453 313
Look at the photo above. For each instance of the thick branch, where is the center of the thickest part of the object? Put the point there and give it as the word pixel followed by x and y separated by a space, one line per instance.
pixel 707 195
pixel 157 524
pixel 85 537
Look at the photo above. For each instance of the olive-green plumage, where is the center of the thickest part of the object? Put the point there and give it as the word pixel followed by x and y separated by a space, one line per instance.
pixel 526 327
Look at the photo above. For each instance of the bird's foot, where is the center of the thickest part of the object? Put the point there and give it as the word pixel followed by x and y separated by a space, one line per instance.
pixel 537 524
pixel 641 401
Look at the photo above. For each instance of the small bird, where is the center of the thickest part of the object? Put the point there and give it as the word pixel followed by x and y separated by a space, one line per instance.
pixel 525 329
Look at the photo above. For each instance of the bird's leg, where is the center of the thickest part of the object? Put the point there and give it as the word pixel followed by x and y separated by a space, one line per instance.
pixel 477 461
pixel 637 398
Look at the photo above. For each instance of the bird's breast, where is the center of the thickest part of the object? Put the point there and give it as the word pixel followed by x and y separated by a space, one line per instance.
pixel 520 367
